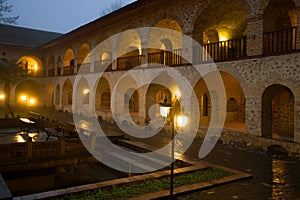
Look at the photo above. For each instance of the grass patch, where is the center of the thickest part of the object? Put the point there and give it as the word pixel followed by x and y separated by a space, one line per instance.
pixel 150 185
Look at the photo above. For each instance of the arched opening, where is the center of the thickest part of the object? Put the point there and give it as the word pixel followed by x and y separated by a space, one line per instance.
pixel 84 54
pixel 221 30
pixel 156 94
pixel 278 113
pixel 69 62
pixel 50 95
pixel 28 94
pixel 51 66
pixel 168 51
pixel 31 64
pixel 57 95
pixel 103 99
pixel 129 50
pixel 82 97
pixel 106 59
pixel 67 92
pixel 235 112
pixel 131 100
pixel 280 21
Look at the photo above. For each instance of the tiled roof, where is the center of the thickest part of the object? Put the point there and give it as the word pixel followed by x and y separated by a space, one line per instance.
pixel 14 35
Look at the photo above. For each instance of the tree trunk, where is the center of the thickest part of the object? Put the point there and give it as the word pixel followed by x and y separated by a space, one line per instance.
pixel 7 107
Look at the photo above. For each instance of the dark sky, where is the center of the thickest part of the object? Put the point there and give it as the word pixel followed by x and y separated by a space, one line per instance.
pixel 58 15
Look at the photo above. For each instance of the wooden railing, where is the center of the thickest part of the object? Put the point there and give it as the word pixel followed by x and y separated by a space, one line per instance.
pixel 84 68
pixel 221 51
pixel 280 41
pixel 68 70
pixel 166 57
pixel 51 72
pixel 126 63
pixel 105 65
pixel 273 42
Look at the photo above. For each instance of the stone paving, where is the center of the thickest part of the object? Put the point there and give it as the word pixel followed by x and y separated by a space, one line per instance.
pixel 273 177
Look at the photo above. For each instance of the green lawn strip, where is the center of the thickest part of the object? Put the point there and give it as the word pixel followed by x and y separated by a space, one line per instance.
pixel 151 185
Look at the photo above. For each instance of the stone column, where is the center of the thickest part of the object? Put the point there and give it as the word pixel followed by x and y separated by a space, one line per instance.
pixel 297 120
pixel 114 53
pixel 253 115
pixel 255 36
pixel 298 28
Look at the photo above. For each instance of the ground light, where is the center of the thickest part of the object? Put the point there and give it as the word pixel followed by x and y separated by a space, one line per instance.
pixel 172 112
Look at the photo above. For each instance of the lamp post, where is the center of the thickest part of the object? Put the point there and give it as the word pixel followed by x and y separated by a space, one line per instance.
pixel 169 110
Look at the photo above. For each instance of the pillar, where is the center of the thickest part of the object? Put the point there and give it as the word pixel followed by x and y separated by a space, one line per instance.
pixel 255 36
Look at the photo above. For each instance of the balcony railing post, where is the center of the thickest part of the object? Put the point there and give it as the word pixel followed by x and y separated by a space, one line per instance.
pixel 29 147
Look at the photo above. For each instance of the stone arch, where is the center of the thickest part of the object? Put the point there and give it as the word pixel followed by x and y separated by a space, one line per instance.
pixel 69 58
pixel 51 63
pixel 50 95
pixel 67 92
pixel 277 119
pixel 227 17
pixel 171 22
pixel 156 94
pixel 103 99
pixel 131 100
pixel 84 54
pixel 31 64
pixel 30 89
pixel 235 115
pixel 57 95
pixel 283 10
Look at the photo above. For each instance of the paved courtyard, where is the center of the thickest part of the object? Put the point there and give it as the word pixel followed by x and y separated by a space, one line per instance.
pixel 273 177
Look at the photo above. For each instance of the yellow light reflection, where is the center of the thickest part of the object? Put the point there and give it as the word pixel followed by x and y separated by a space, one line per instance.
pixel 2 96
pixel 20 139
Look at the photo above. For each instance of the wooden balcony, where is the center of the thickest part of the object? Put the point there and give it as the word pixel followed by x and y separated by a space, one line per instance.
pixel 221 51
pixel 127 63
pixel 68 70
pixel 282 41
pixel 167 58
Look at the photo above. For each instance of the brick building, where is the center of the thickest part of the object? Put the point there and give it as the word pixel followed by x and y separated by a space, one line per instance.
pixel 253 43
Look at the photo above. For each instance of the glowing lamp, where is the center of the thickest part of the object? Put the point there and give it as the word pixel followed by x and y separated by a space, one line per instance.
pixel 2 96
pixel 31 101
pixel 85 91
pixel 182 120
pixel 23 98
pixel 165 108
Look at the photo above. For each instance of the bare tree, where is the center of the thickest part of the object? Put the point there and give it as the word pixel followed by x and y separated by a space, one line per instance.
pixel 114 6
pixel 10 74
pixel 4 9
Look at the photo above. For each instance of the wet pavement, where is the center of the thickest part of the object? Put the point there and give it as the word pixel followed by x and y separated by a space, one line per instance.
pixel 276 178
pixel 273 177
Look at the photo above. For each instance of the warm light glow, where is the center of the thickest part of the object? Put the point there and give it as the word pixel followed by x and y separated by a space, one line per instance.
pixel 223 38
pixel 31 101
pixel 177 94
pixel 2 96
pixel 23 98
pixel 35 67
pixel 164 111
pixel 182 120
pixel 85 91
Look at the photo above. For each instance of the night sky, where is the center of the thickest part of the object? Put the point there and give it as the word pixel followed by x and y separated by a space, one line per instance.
pixel 58 15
